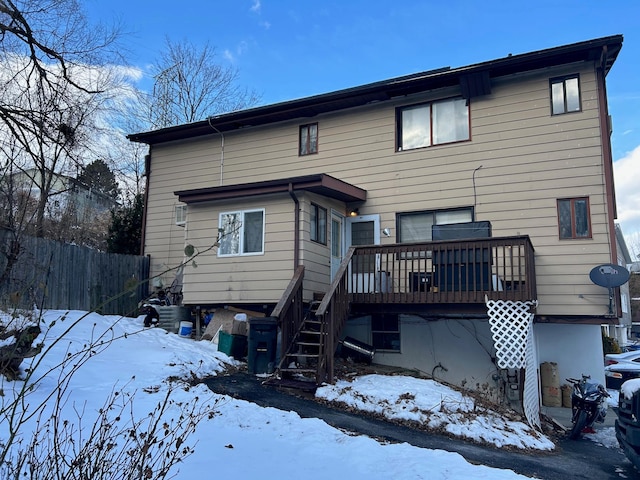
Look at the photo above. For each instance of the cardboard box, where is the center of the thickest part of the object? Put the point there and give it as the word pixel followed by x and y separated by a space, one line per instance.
pixel 223 321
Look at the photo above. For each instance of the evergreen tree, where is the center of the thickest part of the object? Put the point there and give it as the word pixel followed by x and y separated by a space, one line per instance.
pixel 125 231
pixel 98 176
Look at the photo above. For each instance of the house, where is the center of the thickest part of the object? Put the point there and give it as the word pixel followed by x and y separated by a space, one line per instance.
pixel 67 195
pixel 404 208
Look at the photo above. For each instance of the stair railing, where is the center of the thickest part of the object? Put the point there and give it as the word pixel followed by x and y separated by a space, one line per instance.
pixel 332 313
pixel 289 310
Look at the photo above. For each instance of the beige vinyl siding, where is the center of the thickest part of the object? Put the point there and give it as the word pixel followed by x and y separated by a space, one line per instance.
pixel 529 159
pixel 254 278
pixel 316 257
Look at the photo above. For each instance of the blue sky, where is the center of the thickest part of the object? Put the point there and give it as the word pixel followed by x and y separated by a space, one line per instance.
pixel 287 49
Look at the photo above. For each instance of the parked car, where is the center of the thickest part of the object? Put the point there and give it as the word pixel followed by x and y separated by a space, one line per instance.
pixel 620 367
pixel 628 423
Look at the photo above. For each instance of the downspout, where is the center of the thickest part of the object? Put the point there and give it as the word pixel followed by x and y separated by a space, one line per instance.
pixel 296 233
pixel 221 149
pixel 607 161
pixel 147 173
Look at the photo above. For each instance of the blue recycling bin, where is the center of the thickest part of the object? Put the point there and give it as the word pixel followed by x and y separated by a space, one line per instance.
pixel 263 341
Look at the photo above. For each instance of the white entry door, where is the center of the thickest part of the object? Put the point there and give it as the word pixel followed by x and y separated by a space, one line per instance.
pixel 337 242
pixel 363 230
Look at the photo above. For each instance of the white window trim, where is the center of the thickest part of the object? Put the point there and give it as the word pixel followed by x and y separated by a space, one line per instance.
pixel 241 232
pixel 181 215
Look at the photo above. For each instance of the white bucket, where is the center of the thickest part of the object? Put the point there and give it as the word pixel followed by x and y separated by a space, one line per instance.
pixel 185 329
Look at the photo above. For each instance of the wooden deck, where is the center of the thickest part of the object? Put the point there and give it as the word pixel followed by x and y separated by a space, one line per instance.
pixel 456 276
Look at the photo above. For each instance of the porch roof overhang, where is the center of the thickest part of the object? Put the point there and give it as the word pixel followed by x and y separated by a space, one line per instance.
pixel 322 184
pixel 473 80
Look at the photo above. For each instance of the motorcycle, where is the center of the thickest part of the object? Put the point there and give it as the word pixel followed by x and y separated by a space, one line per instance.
pixel 588 405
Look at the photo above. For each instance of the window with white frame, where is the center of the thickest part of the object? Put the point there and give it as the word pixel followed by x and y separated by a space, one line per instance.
pixel 434 123
pixel 241 233
pixel 565 95
pixel 181 215
pixel 416 226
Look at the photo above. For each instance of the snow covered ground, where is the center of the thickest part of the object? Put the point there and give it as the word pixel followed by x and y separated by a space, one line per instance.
pixel 237 439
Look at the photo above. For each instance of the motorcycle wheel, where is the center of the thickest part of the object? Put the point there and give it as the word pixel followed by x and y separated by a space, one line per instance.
pixel 581 421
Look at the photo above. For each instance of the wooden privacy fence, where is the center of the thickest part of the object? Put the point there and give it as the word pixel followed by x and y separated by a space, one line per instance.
pixel 53 275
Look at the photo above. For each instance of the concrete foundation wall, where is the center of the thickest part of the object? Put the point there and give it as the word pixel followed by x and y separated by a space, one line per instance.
pixel 459 352
pixel 577 349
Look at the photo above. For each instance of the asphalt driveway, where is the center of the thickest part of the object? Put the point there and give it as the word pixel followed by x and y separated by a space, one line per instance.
pixel 581 459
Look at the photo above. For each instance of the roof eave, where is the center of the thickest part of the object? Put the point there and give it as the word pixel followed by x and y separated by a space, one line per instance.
pixel 322 184
pixel 603 50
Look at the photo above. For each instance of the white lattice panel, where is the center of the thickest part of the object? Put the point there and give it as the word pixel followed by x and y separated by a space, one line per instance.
pixel 512 331
pixel 510 323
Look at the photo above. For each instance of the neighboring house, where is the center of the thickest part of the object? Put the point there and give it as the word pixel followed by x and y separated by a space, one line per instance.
pixel 622 331
pixel 409 202
pixel 66 196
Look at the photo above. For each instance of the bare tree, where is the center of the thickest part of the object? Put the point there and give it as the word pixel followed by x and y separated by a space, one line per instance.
pixel 54 77
pixel 191 85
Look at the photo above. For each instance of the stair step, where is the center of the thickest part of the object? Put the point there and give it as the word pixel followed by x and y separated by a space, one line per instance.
pixel 304 385
pixel 308 344
pixel 298 370
pixel 304 355
pixel 311 332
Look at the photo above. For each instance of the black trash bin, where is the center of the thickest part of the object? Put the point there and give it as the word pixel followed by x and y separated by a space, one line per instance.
pixel 263 341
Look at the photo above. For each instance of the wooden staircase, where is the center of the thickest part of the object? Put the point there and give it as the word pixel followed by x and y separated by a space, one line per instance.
pixel 299 365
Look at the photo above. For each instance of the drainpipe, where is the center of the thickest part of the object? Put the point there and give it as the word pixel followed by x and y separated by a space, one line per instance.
pixel 147 173
pixel 221 149
pixel 296 234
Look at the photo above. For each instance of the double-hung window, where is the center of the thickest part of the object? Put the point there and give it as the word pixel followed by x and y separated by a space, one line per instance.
pixel 434 123
pixel 318 224
pixel 416 226
pixel 573 218
pixel 241 233
pixel 308 139
pixel 565 95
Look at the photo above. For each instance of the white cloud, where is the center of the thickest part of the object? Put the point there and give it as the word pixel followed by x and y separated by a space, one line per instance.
pixel 228 55
pixel 256 6
pixel 627 180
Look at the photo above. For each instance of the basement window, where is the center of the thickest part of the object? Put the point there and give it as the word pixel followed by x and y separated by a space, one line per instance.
pixel 385 332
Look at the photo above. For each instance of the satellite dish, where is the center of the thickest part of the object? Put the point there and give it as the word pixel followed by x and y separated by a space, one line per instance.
pixel 609 275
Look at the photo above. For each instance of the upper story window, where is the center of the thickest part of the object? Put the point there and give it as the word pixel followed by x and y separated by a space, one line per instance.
pixel 181 215
pixel 416 226
pixel 573 218
pixel 432 123
pixel 565 95
pixel 309 139
pixel 241 233
pixel 318 224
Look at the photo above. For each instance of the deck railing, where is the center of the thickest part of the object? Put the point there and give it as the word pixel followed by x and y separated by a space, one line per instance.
pixel 444 272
